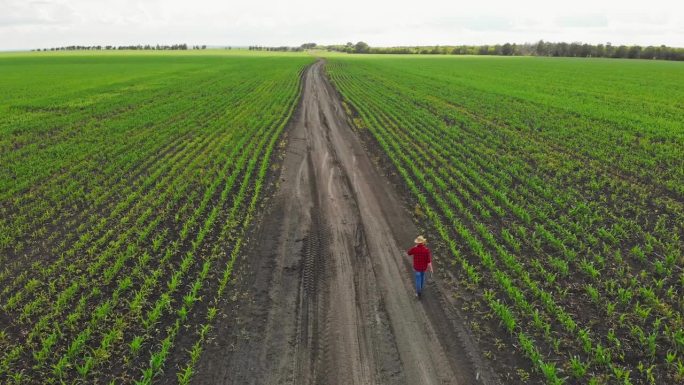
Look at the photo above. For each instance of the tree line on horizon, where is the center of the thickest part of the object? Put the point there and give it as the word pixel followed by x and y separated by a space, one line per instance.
pixel 146 47
pixel 541 48
pixel 282 48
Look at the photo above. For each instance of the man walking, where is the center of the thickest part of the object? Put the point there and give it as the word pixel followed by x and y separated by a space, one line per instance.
pixel 422 260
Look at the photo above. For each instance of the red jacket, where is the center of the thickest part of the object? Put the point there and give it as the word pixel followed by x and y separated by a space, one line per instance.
pixel 421 257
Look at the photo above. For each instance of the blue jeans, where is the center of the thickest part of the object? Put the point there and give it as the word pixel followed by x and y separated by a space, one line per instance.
pixel 420 280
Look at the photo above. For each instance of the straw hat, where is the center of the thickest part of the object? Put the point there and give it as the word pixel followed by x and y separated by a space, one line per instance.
pixel 420 239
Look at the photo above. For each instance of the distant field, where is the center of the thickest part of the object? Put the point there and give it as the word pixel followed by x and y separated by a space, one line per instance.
pixel 557 188
pixel 127 183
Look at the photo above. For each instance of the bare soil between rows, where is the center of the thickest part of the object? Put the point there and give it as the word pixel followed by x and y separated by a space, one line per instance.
pixel 324 294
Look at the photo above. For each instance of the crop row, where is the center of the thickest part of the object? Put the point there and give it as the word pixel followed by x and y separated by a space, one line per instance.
pixel 498 198
pixel 138 247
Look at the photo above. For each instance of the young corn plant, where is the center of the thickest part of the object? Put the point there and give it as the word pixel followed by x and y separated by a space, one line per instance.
pixel 136 344
pixel 578 369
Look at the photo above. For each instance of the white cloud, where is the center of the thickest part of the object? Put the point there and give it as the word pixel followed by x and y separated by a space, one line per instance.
pixel 382 22
pixel 582 20
pixel 34 13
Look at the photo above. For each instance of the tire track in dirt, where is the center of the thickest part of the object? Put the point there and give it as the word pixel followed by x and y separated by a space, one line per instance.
pixel 311 297
pixel 325 296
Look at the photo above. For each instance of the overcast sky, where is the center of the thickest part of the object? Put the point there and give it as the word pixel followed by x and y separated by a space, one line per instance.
pixel 26 24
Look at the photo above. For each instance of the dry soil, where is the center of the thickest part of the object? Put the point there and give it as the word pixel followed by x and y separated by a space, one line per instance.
pixel 325 294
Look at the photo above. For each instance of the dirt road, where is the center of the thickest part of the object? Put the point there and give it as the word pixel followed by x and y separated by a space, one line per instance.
pixel 326 295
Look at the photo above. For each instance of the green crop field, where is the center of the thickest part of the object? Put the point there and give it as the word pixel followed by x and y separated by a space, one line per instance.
pixel 557 189
pixel 127 183
pixel 552 191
